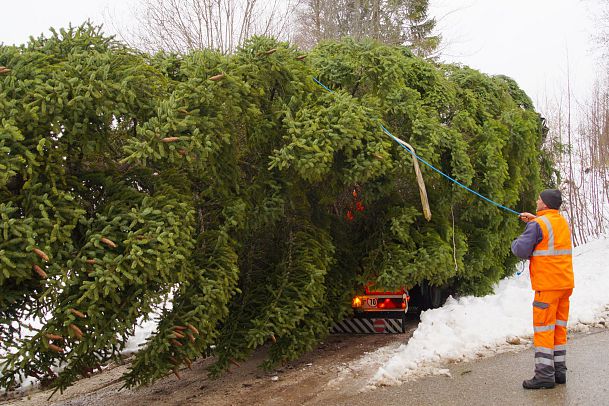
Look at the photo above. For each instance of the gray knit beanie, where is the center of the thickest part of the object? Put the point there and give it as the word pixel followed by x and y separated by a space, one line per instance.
pixel 552 198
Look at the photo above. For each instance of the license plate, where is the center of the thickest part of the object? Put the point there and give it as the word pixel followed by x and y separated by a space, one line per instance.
pixel 369 302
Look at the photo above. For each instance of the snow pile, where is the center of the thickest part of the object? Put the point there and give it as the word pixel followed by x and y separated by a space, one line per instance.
pixel 471 327
pixel 143 330
pixel 146 327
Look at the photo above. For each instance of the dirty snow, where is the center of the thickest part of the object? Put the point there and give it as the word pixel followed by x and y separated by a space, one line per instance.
pixel 472 327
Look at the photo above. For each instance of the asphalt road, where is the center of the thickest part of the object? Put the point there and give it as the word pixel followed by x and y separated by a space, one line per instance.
pixel 495 380
pixel 498 381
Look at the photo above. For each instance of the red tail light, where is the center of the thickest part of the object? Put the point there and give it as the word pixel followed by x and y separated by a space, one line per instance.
pixel 392 304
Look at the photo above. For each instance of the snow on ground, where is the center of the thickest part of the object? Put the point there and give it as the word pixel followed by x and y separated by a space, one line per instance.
pixel 470 326
pixel 144 328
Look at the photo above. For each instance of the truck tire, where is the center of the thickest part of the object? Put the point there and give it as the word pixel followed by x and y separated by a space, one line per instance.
pixel 433 296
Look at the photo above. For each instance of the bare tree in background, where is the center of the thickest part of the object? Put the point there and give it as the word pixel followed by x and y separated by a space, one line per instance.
pixel 388 21
pixel 223 25
pixel 592 155
pixel 581 153
pixel 182 25
pixel 581 149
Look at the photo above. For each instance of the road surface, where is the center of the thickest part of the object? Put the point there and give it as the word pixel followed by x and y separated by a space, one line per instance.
pixel 498 381
pixel 326 376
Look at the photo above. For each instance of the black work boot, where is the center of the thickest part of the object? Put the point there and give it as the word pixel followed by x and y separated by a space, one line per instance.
pixel 537 383
pixel 560 366
pixel 560 371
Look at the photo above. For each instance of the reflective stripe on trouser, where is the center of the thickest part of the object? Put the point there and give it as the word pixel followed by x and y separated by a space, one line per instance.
pixel 544 363
pixel 560 359
pixel 550 314
pixel 560 336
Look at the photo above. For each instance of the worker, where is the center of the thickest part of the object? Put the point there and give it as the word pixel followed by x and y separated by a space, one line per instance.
pixel 546 243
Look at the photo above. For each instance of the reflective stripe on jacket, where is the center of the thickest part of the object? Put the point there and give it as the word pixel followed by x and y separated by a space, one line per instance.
pixel 551 262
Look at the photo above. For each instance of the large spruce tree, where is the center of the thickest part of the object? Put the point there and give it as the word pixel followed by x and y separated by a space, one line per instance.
pixel 239 191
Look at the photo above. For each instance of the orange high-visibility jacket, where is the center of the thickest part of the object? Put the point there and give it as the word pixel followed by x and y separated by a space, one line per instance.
pixel 551 263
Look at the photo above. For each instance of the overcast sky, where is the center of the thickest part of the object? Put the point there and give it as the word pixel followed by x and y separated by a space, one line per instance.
pixel 532 41
pixel 536 42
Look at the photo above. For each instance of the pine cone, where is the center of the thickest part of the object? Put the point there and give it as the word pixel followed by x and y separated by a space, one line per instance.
pixel 40 272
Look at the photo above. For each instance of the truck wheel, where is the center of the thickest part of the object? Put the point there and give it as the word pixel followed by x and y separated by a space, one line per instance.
pixel 436 296
pixel 433 296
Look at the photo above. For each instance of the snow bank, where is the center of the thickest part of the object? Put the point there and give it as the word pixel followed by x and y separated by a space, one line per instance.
pixel 471 326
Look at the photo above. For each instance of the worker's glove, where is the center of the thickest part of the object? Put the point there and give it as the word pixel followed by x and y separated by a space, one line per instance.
pixel 526 217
